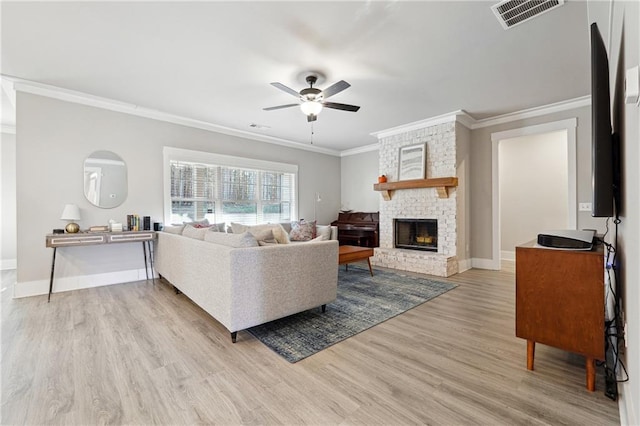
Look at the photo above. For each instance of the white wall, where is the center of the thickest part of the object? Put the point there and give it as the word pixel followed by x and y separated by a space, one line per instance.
pixel 359 174
pixel 533 187
pixel 54 138
pixel 8 201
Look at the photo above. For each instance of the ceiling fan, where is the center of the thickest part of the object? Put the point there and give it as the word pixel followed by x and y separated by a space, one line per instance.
pixel 313 99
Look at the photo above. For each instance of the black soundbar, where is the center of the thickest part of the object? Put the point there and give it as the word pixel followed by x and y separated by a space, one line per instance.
pixel 567 239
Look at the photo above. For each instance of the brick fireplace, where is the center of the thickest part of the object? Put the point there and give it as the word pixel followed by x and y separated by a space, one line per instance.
pixel 447 145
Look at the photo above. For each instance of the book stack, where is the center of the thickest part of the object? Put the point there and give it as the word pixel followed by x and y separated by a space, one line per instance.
pixel 133 222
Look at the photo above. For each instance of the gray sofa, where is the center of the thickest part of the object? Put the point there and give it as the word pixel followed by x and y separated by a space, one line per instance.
pixel 242 287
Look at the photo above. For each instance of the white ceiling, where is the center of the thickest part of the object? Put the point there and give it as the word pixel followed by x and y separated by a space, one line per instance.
pixel 213 61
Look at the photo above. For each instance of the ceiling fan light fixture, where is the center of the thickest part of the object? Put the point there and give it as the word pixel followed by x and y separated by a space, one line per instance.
pixel 311 107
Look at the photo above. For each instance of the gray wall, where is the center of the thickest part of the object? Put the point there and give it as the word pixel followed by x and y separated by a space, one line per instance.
pixel 8 201
pixel 54 138
pixel 359 173
pixel 481 169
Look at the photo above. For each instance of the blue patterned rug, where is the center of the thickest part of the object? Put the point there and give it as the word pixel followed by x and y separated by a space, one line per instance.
pixel 363 301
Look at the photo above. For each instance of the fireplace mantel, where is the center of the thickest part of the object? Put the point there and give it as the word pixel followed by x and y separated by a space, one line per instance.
pixel 442 185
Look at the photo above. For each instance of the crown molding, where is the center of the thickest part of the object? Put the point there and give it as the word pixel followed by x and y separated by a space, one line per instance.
pixel 11 84
pixel 459 116
pixel 468 121
pixel 132 109
pixel 360 150
pixel 533 112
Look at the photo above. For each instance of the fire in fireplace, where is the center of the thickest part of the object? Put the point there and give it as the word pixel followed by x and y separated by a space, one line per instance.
pixel 416 234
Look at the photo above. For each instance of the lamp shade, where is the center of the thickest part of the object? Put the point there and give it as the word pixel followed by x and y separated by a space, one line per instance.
pixel 311 107
pixel 70 212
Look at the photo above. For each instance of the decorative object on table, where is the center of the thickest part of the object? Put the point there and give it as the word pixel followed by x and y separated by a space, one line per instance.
pixel 146 223
pixel 58 231
pixel 71 213
pixel 382 179
pixel 99 228
pixel 115 226
pixel 412 162
pixel 363 302
pixel 157 226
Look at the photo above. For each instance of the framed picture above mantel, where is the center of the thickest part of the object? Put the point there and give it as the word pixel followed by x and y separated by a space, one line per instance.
pixel 412 162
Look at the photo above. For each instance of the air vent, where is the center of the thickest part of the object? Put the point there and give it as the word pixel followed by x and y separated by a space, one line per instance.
pixel 513 12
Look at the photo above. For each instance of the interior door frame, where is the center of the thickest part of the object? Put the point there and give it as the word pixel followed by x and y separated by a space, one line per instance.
pixel 572 210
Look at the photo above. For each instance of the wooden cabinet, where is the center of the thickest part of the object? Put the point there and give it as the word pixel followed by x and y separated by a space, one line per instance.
pixel 560 301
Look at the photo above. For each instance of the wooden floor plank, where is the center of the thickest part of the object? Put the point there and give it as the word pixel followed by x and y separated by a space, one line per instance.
pixel 137 353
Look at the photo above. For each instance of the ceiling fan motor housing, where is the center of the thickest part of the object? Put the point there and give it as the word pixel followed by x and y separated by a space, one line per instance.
pixel 311 94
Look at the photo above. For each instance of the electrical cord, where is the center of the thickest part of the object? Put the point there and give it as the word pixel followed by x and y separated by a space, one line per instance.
pixel 612 325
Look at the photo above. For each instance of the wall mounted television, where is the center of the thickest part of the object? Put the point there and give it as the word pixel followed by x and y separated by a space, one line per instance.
pixel 605 162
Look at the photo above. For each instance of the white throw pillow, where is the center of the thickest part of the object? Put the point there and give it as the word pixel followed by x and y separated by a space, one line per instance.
pixel 173 229
pixel 193 232
pixel 278 231
pixel 244 239
pixel 323 231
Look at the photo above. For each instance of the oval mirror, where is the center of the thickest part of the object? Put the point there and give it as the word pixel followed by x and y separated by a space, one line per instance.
pixel 105 179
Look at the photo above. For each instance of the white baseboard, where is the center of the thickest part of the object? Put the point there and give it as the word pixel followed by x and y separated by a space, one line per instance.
pixel 6 264
pixel 508 255
pixel 464 265
pixel 39 287
pixel 485 264
pixel 626 407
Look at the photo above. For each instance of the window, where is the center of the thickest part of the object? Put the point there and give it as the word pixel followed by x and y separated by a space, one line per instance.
pixel 220 188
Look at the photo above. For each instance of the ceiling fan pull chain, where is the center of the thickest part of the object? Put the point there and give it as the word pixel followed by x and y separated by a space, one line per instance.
pixel 312 133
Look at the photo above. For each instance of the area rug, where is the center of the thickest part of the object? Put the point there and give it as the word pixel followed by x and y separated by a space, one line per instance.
pixel 363 301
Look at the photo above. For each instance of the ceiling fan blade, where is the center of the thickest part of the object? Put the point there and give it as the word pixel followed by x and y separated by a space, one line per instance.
pixel 286 89
pixel 280 107
pixel 311 117
pixel 343 107
pixel 335 88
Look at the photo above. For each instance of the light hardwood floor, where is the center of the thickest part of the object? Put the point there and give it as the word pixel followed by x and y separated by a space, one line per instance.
pixel 139 354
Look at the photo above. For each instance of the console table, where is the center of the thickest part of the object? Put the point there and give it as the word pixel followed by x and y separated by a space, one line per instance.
pixel 95 238
pixel 560 302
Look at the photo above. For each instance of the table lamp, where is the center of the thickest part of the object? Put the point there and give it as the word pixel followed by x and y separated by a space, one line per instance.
pixel 71 212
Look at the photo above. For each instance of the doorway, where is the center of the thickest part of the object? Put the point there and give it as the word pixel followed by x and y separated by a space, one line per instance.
pixel 534 184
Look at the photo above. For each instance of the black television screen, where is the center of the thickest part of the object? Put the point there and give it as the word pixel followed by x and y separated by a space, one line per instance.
pixel 602 158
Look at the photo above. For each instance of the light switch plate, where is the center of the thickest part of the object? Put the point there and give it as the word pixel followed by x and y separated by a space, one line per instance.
pixel 632 86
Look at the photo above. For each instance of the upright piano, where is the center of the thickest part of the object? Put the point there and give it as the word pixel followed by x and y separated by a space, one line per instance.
pixel 358 228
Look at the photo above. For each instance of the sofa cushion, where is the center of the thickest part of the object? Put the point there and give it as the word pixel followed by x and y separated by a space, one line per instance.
pixel 278 231
pixel 302 231
pixel 193 232
pixel 173 229
pixel 241 240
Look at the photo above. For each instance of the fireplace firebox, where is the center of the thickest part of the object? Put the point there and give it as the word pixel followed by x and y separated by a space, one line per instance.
pixel 416 234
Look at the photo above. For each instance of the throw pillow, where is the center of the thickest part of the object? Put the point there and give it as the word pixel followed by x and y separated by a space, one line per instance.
pixel 171 229
pixel 271 242
pixel 204 223
pixel 193 232
pixel 238 228
pixel 323 231
pixel 278 231
pixel 242 240
pixel 302 231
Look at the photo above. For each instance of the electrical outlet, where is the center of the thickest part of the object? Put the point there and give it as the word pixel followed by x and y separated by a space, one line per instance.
pixel 584 207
